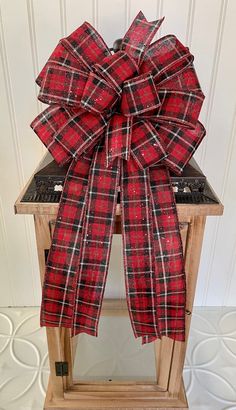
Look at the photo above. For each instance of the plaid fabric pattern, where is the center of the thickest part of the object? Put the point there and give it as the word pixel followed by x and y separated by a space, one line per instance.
pixel 180 144
pixel 186 80
pixel 46 124
pixel 146 147
pixel 153 254
pixel 86 45
pixel 118 138
pixel 139 36
pixel 140 275
pixel 165 58
pixel 117 68
pixel 86 215
pixel 63 86
pixel 61 57
pixel 80 133
pixel 180 107
pixel 122 121
pixel 63 256
pixel 98 95
pixel 139 95
pixel 168 256
pixel 96 242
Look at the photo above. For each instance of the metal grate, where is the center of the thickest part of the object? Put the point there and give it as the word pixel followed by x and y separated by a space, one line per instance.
pixel 181 197
pixel 193 198
pixel 37 197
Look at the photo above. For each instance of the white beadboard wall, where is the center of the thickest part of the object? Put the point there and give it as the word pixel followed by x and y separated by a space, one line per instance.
pixel 29 31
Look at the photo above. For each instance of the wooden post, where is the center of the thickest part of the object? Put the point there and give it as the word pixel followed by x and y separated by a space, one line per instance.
pixel 192 260
pixel 54 335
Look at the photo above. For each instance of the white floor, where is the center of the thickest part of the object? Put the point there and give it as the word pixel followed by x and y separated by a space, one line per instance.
pixel 209 374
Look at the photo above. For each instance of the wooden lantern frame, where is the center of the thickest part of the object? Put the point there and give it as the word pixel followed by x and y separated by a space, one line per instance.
pixel 168 390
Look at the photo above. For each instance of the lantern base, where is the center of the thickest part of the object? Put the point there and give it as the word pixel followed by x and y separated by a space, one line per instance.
pixel 85 396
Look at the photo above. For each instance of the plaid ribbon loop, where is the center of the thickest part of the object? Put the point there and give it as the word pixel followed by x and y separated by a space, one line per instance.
pixel 121 122
pixel 98 95
pixel 62 86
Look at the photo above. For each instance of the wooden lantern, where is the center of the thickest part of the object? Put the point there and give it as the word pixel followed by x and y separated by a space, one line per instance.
pixel 168 390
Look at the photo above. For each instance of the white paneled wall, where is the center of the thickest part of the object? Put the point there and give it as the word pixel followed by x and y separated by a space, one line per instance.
pixel 29 31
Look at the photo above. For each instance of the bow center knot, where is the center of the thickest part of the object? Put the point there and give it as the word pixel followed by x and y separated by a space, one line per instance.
pixel 103 88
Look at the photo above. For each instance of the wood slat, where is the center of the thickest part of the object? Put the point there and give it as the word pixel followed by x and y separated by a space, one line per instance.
pixel 163 353
pixel 192 260
pixel 160 402
pixel 54 335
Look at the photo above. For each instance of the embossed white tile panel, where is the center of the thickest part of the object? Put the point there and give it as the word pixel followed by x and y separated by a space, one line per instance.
pixel 23 360
pixel 209 373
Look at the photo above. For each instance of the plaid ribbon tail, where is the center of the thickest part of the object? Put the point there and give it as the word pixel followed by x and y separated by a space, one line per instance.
pixel 168 254
pixel 139 36
pixel 78 259
pixel 138 252
pixel 61 265
pixel 153 254
pixel 96 240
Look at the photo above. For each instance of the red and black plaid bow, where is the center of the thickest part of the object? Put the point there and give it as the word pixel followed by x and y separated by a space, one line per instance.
pixel 120 120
